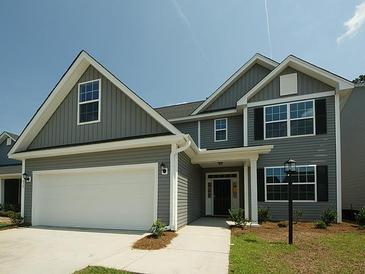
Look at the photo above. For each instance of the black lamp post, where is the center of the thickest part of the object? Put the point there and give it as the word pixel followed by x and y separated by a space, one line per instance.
pixel 290 168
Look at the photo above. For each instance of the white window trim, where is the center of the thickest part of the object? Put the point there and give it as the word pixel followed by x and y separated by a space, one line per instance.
pixel 215 130
pixel 87 102
pixel 297 201
pixel 288 120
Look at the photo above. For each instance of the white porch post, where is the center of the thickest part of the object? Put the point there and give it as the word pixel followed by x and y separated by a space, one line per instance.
pixel 245 184
pixel 22 191
pixel 254 207
pixel 1 191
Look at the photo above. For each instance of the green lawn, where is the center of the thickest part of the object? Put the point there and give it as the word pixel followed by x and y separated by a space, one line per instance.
pixel 100 270
pixel 266 251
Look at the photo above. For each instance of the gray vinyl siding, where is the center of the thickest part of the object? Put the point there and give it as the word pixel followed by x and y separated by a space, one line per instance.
pixel 229 98
pixel 238 169
pixel 190 192
pixel 4 159
pixel 107 158
pixel 352 146
pixel 306 85
pixel 318 150
pixel 189 128
pixel 120 118
pixel 235 133
pixel 11 169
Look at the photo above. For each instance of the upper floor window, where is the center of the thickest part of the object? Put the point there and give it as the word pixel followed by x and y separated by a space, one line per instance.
pixel 220 130
pixel 304 184
pixel 291 119
pixel 89 102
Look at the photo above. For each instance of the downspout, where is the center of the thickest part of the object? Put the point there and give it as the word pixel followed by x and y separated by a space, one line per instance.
pixel 174 165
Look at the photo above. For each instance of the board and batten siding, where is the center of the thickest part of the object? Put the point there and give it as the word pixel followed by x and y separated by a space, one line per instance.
pixel 190 192
pixel 120 118
pixel 4 159
pixel 352 146
pixel 156 154
pixel 306 85
pixel 235 133
pixel 190 128
pixel 229 98
pixel 306 150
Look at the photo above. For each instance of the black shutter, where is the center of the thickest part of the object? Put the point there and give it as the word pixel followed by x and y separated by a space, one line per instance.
pixel 321 116
pixel 260 185
pixel 322 183
pixel 259 123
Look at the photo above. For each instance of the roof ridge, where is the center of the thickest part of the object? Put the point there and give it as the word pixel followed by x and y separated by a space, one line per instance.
pixel 180 104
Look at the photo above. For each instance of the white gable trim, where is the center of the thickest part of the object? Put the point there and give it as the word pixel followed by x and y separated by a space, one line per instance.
pixel 5 136
pixel 325 76
pixel 62 89
pixel 256 59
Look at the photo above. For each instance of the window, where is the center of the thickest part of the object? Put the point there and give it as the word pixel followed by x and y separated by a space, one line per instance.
pixel 304 184
pixel 292 119
pixel 89 102
pixel 220 130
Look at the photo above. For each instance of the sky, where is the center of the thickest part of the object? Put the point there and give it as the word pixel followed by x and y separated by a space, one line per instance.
pixel 167 51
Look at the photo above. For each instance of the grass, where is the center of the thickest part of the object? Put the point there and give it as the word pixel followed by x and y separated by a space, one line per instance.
pixel 338 249
pixel 100 270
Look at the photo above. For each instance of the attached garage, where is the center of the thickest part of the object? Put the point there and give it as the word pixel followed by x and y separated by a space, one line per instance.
pixel 115 197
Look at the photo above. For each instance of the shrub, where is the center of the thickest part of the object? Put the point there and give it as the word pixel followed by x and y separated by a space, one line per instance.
pixel 320 225
pixel 10 207
pixel 297 215
pixel 16 218
pixel 329 216
pixel 282 225
pixel 238 216
pixel 158 228
pixel 263 214
pixel 360 217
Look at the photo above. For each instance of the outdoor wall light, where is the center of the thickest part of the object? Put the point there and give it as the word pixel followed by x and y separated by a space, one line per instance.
pixel 164 169
pixel 26 178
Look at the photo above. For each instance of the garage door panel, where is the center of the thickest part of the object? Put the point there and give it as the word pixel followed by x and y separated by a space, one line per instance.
pixel 107 198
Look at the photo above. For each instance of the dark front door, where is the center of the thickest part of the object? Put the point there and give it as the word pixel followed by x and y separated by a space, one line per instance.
pixel 12 192
pixel 222 196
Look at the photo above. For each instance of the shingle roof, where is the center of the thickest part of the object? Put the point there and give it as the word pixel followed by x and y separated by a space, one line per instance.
pixel 179 110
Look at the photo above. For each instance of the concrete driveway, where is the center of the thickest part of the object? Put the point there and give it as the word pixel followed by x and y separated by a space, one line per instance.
pixel 201 247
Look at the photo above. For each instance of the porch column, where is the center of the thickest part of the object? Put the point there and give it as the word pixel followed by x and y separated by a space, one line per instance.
pixel 254 208
pixel 22 191
pixel 1 191
pixel 245 185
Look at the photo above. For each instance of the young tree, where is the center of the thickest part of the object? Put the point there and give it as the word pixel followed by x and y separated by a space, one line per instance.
pixel 360 79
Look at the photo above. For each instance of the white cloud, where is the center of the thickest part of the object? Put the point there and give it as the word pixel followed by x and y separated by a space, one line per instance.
pixel 354 23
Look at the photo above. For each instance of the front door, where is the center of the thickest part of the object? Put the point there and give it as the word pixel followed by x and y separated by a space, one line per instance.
pixel 222 196
pixel 12 192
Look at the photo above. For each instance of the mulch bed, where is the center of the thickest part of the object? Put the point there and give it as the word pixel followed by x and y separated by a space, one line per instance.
pixel 303 230
pixel 152 243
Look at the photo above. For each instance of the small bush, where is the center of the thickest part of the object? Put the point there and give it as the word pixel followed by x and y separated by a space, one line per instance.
pixel 6 213
pixel 10 207
pixel 297 215
pixel 158 228
pixel 263 214
pixel 320 225
pixel 238 216
pixel 360 217
pixel 281 225
pixel 329 216
pixel 16 218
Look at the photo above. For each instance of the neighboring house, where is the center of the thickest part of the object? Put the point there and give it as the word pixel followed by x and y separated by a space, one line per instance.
pixel 96 155
pixel 353 156
pixel 10 173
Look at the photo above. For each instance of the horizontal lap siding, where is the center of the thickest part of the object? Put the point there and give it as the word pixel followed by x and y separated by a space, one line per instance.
pixel 11 169
pixel 318 150
pixel 306 85
pixel 120 118
pixel 189 191
pixel 108 158
pixel 235 133
pixel 352 145
pixel 240 87
pixel 190 128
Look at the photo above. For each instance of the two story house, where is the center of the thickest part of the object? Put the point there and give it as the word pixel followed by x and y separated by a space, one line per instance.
pixel 10 173
pixel 96 155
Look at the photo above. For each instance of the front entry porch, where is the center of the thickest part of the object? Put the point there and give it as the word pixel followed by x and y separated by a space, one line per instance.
pixel 10 193
pixel 230 180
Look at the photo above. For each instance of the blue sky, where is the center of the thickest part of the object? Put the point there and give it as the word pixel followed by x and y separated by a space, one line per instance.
pixel 168 51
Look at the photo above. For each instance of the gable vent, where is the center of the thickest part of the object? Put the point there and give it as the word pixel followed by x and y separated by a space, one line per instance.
pixel 288 84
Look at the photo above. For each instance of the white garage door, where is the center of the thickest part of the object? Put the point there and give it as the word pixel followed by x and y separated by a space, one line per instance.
pixel 121 197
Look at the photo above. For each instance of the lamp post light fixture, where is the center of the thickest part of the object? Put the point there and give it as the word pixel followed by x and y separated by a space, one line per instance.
pixel 290 168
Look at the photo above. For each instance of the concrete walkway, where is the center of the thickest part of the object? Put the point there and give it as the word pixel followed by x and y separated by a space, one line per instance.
pixel 201 247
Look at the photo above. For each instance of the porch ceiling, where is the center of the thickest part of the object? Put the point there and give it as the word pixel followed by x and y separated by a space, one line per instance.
pixel 231 156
